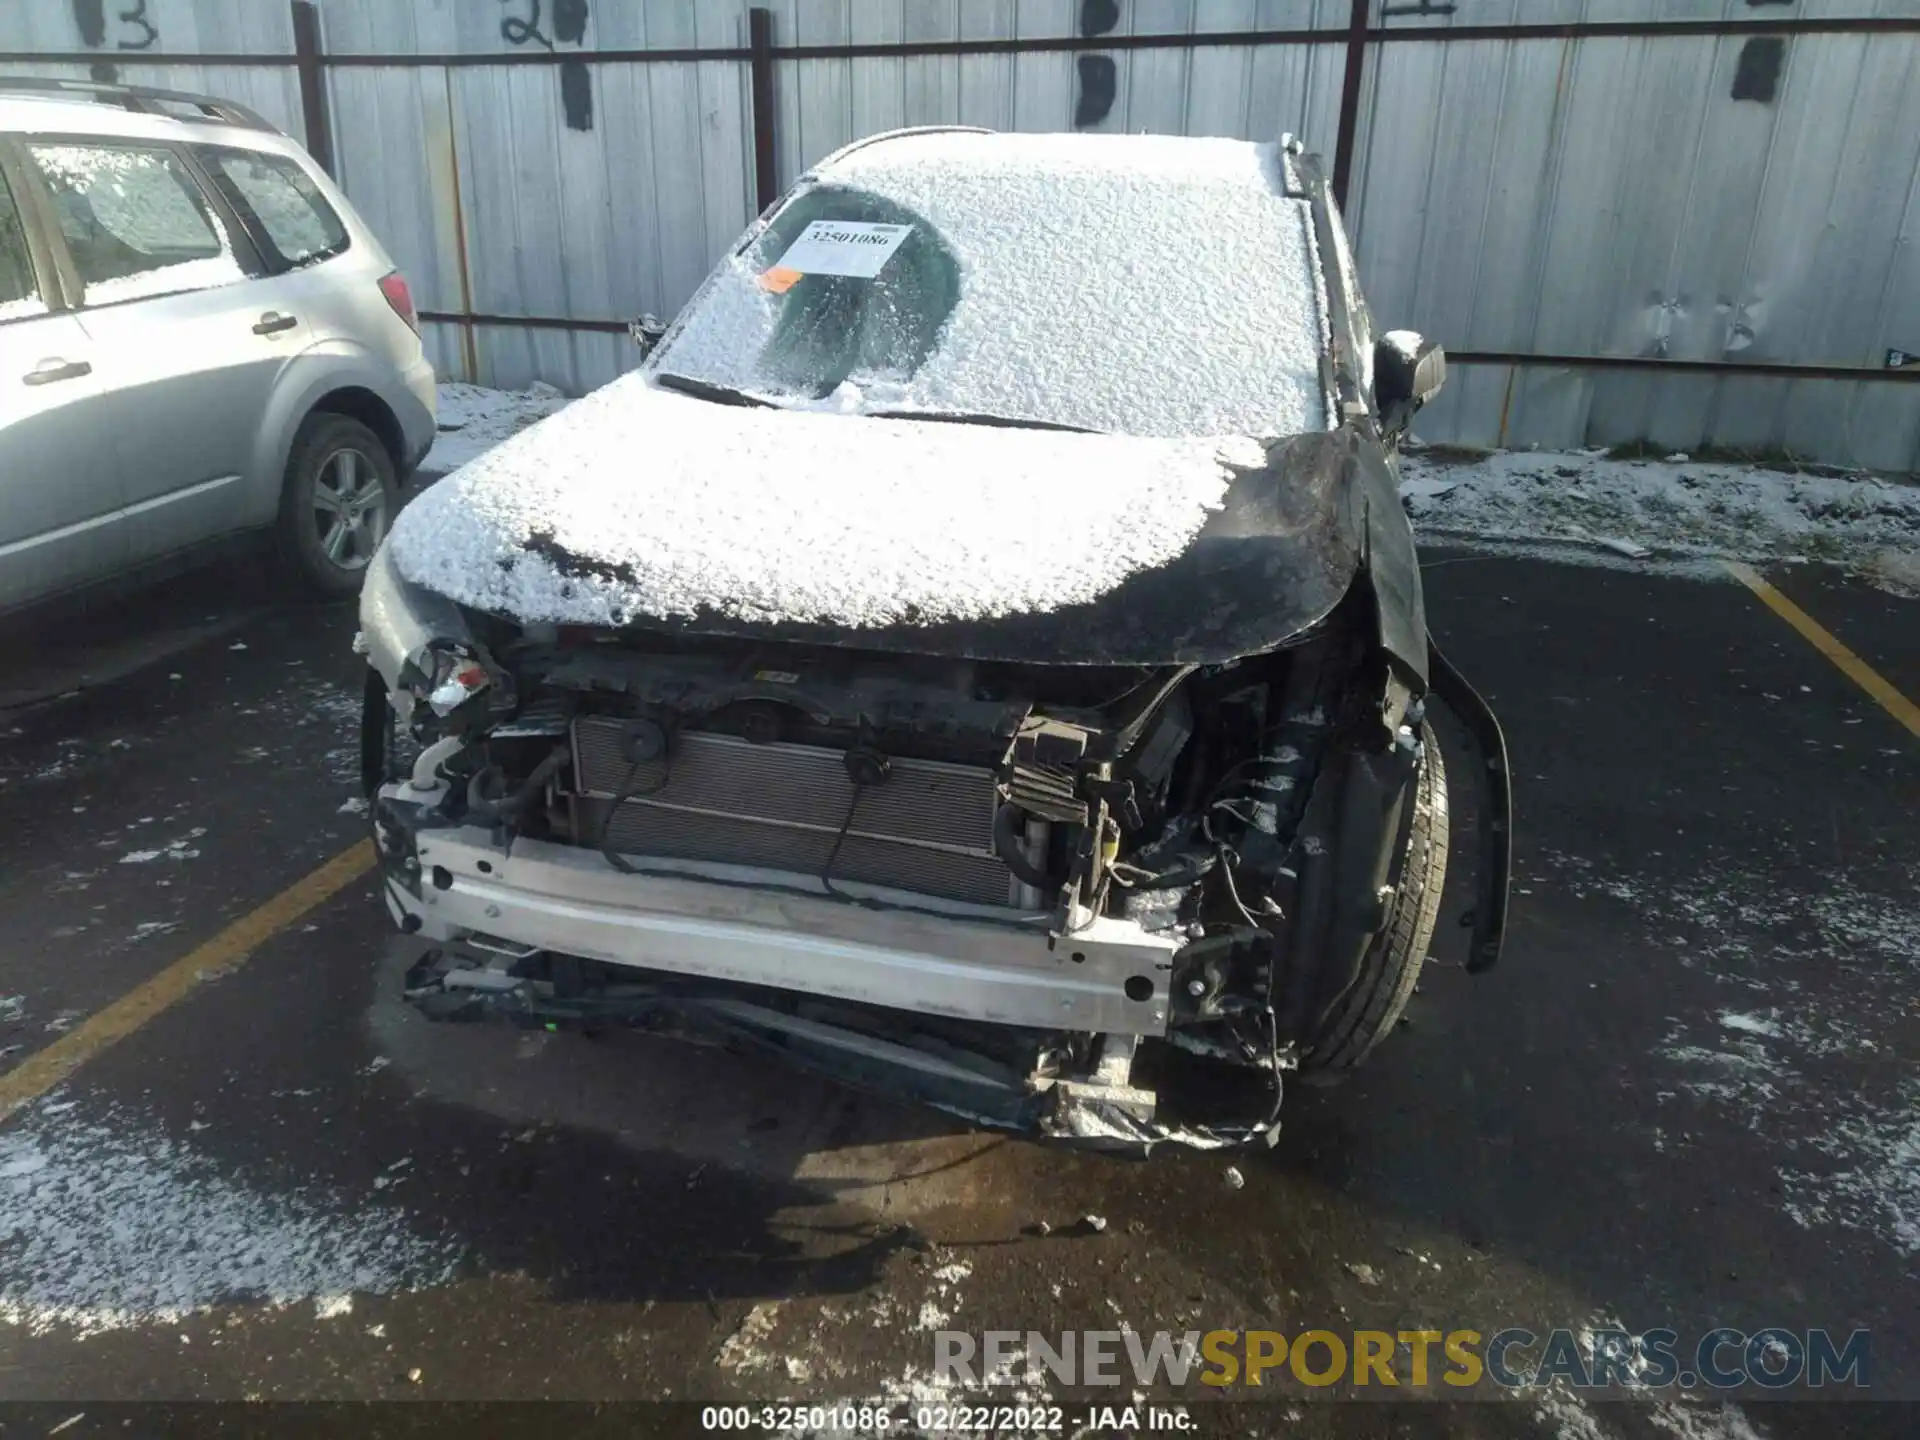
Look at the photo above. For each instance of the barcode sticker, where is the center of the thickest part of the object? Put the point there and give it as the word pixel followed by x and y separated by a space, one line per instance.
pixel 842 247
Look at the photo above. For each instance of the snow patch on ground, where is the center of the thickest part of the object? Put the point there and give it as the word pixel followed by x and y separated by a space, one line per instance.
pixel 745 1349
pixel 109 1224
pixel 180 849
pixel 1865 1173
pixel 1690 1421
pixel 1565 1416
pixel 1751 1024
pixel 327 719
pixel 473 419
pixel 1565 1413
pixel 1806 1079
pixel 1895 571
pixel 637 502
pixel 943 1300
pixel 1679 508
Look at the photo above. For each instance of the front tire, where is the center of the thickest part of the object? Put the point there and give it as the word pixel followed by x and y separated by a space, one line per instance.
pixel 337 502
pixel 1392 965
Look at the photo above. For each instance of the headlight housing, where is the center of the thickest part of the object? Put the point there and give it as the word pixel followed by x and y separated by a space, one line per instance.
pixel 419 642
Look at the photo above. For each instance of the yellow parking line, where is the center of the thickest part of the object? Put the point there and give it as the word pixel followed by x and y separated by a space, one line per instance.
pixel 225 952
pixel 1844 660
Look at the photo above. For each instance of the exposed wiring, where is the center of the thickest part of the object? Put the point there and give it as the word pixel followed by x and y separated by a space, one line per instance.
pixel 1206 820
pixel 1272 1124
pixel 506 807
pixel 1227 858
pixel 1007 844
pixel 1095 909
pixel 1132 729
pixel 628 791
pixel 826 871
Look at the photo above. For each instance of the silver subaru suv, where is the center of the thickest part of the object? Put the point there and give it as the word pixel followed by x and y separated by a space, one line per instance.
pixel 199 341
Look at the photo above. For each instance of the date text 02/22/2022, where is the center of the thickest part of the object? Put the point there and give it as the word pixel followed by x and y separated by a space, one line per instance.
pixel 943 1418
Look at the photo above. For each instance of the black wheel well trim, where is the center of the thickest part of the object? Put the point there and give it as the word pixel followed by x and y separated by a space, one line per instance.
pixel 356 402
pixel 1493 862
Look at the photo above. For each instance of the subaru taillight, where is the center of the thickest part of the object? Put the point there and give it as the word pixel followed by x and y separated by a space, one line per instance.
pixel 394 287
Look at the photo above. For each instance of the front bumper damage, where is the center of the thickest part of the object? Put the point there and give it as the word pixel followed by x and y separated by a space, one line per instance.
pixel 963 1013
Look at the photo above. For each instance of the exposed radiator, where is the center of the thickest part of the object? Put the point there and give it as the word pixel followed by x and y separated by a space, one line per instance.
pixel 928 829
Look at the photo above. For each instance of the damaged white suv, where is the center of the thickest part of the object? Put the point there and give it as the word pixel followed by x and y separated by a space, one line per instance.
pixel 980 654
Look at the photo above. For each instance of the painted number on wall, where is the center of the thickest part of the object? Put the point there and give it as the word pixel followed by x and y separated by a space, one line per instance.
pixel 135 28
pixel 569 28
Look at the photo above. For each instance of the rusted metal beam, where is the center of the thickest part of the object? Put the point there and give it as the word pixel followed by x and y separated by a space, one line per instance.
pixel 1650 363
pixel 1785 25
pixel 1350 86
pixel 766 168
pixel 526 322
pixel 310 59
pixel 1779 370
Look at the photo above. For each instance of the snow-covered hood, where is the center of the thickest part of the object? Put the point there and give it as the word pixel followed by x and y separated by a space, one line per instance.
pixel 637 506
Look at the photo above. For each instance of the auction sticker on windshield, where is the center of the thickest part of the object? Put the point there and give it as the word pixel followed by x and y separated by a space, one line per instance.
pixel 842 247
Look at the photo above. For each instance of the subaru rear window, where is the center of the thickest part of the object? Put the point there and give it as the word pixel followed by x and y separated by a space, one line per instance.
pixel 286 208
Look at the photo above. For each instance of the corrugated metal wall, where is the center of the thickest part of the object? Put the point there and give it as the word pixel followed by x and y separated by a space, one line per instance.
pixel 604 223
pixel 1590 196
pixel 1609 196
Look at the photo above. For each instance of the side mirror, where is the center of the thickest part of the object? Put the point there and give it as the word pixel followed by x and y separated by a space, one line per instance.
pixel 1408 371
pixel 646 332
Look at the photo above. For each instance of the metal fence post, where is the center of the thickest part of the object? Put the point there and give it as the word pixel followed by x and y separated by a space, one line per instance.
pixel 310 62
pixel 766 180
pixel 1350 87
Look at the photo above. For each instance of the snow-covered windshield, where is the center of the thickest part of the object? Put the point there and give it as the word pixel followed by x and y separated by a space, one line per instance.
pixel 1138 285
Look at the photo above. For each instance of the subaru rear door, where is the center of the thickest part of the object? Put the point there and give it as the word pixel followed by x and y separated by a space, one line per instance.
pixel 59 484
pixel 190 342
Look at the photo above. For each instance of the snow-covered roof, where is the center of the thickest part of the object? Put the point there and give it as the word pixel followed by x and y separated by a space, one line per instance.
pixel 636 503
pixel 73 115
pixel 1149 285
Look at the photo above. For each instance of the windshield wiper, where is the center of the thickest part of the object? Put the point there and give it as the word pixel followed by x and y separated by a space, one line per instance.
pixel 706 390
pixel 727 395
pixel 1005 422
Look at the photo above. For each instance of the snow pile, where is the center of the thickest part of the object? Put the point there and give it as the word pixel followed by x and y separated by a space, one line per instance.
pixel 1674 507
pixel 637 502
pixel 1404 343
pixel 110 1224
pixel 1803 1065
pixel 1703 1420
pixel 474 419
pixel 1105 282
pixel 1864 1173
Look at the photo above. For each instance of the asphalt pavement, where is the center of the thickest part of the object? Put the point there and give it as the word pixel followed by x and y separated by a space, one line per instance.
pixel 1687 1098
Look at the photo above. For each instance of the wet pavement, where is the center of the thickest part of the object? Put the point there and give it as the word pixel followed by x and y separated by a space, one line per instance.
pixel 1688 1097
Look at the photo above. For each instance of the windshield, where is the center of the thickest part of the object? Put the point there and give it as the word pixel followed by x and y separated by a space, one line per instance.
pixel 1126 284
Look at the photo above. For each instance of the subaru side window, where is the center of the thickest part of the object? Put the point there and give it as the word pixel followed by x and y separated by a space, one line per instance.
pixel 19 295
pixel 296 221
pixel 135 221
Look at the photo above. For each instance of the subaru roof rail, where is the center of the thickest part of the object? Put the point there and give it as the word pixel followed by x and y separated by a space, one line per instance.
pixel 141 99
